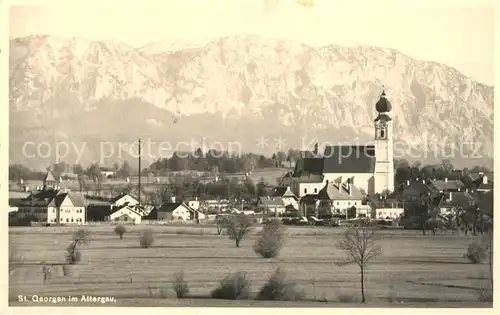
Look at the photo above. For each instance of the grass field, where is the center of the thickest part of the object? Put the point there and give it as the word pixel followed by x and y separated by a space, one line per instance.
pixel 413 270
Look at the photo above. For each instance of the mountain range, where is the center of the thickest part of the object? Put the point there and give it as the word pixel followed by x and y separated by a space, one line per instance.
pixel 98 95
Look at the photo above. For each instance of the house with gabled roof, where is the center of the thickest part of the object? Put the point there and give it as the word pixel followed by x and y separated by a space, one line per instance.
pixel 446 185
pixel 51 204
pixel 288 197
pixel 124 199
pixel 338 197
pixel 174 211
pixel 483 184
pixel 368 167
pixel 126 214
pixel 274 205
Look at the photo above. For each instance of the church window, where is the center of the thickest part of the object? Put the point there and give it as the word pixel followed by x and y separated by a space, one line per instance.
pixel 305 190
pixel 382 133
pixel 315 190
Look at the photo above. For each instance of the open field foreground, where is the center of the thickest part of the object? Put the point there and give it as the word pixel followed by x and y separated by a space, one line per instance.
pixel 413 270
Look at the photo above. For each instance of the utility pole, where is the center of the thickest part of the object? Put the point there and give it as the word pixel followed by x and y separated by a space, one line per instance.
pixel 139 185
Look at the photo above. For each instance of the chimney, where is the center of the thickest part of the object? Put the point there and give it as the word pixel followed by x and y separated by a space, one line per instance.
pixel 450 196
pixel 349 189
pixel 173 199
pixel 485 179
pixel 446 179
pixel 407 183
pixel 423 181
pixel 65 190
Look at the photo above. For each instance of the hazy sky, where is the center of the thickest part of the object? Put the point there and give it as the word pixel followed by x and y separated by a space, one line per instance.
pixel 458 33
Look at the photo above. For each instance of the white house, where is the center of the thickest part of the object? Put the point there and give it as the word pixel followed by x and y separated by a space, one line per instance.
pixel 53 205
pixel 273 205
pixel 389 213
pixel 288 197
pixel 339 197
pixel 178 211
pixel 126 214
pixel 368 167
pixel 194 204
pixel 124 199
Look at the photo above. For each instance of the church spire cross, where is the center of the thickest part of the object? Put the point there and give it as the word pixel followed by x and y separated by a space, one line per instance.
pixel 383 91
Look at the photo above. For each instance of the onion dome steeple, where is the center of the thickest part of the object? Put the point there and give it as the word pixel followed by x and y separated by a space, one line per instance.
pixel 383 105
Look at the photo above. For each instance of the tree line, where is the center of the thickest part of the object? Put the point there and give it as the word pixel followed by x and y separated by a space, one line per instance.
pixel 222 163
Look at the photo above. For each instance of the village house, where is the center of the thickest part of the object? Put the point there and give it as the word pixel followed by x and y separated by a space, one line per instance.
pixel 446 186
pixel 271 205
pixel 52 204
pixel 174 211
pixel 107 172
pixel 16 198
pixel 288 197
pixel 126 214
pixel 336 198
pixel 482 184
pixel 124 199
pixel 388 213
pixel 413 191
pixel 194 204
pixel 449 201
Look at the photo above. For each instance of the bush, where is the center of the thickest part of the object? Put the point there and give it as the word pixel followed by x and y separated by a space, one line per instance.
pixel 270 239
pixel 73 255
pixel 278 289
pixel 179 285
pixel 146 238
pixel 484 295
pixel 233 287
pixel 66 270
pixel 120 230
pixel 475 253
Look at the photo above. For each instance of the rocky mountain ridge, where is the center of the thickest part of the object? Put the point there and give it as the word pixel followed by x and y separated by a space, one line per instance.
pixel 240 88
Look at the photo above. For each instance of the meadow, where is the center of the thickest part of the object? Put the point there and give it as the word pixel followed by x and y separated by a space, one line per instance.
pixel 413 270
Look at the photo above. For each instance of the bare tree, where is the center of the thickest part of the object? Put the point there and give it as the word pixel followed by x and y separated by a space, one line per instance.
pixel 219 221
pixel 359 244
pixel 237 226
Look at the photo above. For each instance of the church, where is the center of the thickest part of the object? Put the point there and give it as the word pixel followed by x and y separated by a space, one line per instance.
pixel 369 168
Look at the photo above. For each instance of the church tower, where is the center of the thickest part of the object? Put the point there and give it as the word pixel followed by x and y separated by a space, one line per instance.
pixel 384 146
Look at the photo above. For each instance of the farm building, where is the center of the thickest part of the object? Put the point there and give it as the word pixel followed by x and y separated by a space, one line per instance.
pixel 126 214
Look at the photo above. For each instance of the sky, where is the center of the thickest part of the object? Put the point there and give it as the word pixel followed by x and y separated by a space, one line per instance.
pixel 458 33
